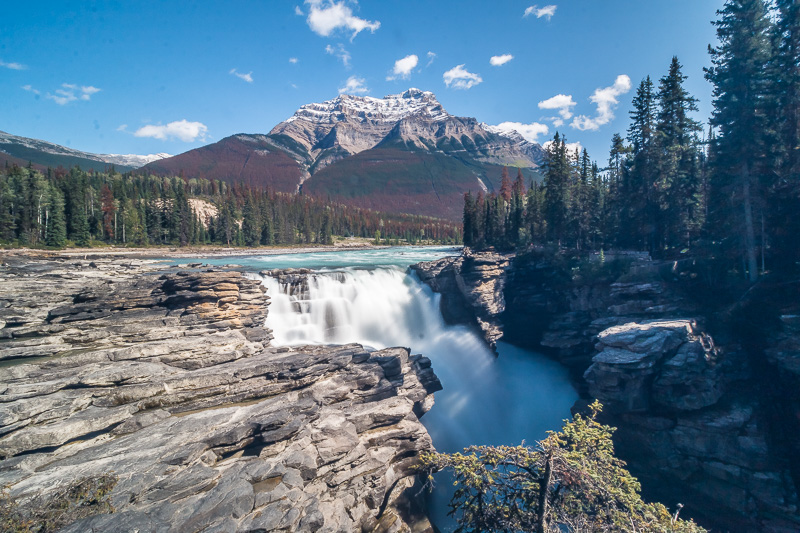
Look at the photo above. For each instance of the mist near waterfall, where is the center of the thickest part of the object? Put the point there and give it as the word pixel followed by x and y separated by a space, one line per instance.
pixel 491 400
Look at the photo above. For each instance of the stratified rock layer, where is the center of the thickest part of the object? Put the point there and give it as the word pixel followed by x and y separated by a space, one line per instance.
pixel 167 381
pixel 472 288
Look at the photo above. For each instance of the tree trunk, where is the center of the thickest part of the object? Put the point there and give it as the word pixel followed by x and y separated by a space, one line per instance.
pixel 544 486
pixel 749 231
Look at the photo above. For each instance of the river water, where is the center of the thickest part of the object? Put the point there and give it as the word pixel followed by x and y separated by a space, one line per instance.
pixel 370 297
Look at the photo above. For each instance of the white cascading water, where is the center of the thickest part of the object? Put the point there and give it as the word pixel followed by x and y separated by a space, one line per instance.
pixel 486 399
pixel 380 307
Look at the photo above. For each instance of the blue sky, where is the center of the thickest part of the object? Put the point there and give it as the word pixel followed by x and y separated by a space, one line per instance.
pixel 146 77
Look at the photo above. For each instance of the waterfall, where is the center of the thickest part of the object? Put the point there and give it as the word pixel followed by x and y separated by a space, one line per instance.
pixel 486 400
pixel 379 308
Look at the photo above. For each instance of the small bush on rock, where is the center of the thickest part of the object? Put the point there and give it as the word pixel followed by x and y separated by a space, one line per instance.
pixel 58 508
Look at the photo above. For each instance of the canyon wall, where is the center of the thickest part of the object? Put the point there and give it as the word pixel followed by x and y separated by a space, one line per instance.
pixel 712 426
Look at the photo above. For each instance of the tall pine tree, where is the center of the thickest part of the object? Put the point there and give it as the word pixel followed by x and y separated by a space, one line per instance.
pixel 741 95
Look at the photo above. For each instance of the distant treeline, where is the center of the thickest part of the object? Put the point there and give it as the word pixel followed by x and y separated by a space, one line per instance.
pixel 61 208
pixel 733 196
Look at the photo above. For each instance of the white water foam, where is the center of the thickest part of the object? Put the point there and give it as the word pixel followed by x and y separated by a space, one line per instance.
pixel 486 399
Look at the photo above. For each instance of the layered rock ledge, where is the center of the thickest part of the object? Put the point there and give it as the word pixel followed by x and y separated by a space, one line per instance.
pixel 472 288
pixel 165 379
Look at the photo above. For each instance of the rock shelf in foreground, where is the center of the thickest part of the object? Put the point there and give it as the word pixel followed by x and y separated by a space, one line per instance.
pixel 165 379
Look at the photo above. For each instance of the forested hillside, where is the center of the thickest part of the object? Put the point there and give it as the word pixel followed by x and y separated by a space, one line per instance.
pixel 59 208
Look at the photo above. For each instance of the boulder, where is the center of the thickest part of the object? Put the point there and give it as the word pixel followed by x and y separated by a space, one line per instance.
pixel 664 362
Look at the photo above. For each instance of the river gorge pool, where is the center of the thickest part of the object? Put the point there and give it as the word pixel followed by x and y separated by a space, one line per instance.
pixel 370 297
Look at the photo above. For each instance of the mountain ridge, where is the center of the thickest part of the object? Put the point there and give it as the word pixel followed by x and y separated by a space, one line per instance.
pixel 48 154
pixel 407 141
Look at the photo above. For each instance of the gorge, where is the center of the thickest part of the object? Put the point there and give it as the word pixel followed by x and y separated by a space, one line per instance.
pixel 286 391
pixel 168 378
pixel 708 422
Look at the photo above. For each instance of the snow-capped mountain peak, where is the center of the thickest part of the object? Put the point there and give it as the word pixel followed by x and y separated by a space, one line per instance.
pixel 132 160
pixel 389 109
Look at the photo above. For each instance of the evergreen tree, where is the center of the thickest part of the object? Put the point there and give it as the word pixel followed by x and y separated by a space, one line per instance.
pixel 469 220
pixel 534 214
pixel 8 225
pixel 326 235
pixel 57 223
pixel 740 96
pixel 615 203
pixel 505 185
pixel 556 183
pixel 640 220
pixel 784 193
pixel 678 184
pixel 786 84
pixel 251 222
pixel 77 221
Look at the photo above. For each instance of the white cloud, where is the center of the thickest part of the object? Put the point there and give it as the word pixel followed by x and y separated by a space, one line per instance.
pixel 563 103
pixel 180 129
pixel 327 16
pixel 354 85
pixel 460 78
pixel 70 92
pixel 293 60
pixel 340 52
pixel 88 92
pixel 298 11
pixel 403 67
pixel 13 66
pixel 431 57
pixel 246 77
pixel 529 131
pixel 497 61
pixel 122 127
pixel 546 11
pixel 30 90
pixel 570 147
pixel 606 100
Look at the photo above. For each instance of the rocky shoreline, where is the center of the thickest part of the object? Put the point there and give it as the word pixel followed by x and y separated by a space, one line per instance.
pixel 165 379
pixel 695 419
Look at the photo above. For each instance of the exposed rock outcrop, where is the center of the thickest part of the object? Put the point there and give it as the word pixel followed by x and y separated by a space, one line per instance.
pixel 696 422
pixel 472 287
pixel 654 364
pixel 166 379
pixel 664 383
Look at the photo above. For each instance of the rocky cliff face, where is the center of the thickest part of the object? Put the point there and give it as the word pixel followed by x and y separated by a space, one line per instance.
pixel 348 125
pixel 166 380
pixel 696 421
pixel 472 289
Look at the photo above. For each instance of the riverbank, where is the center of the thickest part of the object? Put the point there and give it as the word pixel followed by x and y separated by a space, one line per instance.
pixel 188 251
